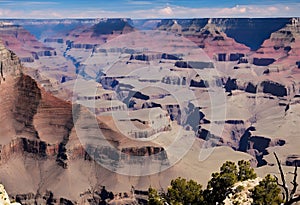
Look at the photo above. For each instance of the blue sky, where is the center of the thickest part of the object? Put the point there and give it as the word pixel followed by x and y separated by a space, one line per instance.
pixel 147 8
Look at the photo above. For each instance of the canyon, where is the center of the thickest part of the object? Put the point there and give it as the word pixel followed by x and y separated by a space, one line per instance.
pixel 125 103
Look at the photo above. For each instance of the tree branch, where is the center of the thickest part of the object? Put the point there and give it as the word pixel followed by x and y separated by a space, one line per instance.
pixel 293 200
pixel 294 183
pixel 282 178
pixel 281 185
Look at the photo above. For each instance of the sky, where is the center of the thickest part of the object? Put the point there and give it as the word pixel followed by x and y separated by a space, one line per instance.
pixel 148 8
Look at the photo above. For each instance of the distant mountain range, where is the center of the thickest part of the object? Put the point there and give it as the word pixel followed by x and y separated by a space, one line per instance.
pixel 249 31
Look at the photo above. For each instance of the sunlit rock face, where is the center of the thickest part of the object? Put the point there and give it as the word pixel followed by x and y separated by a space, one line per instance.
pixel 208 36
pixel 4 198
pixel 41 128
pixel 241 192
pixel 259 29
pixel 10 64
pixel 32 114
pixel 23 43
pixel 282 47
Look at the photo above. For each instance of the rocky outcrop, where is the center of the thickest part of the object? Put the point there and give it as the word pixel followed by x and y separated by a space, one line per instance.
pixel 88 197
pixel 259 29
pixel 174 80
pixel 199 83
pixel 183 25
pixel 185 80
pixel 28 59
pixel 130 154
pixel 32 112
pixel 111 26
pixel 154 56
pixel 241 139
pixel 241 192
pixel 46 53
pixel 113 157
pixel 267 86
pixel 208 35
pixel 132 95
pixel 194 64
pixel 293 160
pixel 27 92
pixel 145 57
pixel 24 146
pixel 208 136
pixel 229 56
pixel 53 40
pixel 173 109
pixel 257 145
pixel 71 44
pixel 39 128
pixel 274 88
pixel 24 44
pixel 282 48
pixel 47 198
pixel 4 198
pixel 9 63
pixel 236 56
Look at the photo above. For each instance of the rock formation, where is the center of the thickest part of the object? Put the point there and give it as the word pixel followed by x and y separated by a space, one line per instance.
pixel 282 47
pixel 24 44
pixel 259 29
pixel 293 160
pixel 41 128
pixel 207 35
pixel 10 64
pixel 4 198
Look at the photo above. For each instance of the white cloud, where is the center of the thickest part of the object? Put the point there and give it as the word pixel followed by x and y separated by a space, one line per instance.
pixel 272 9
pixel 167 11
pixel 243 10
pixel 7 13
pixel 237 10
pixel 291 10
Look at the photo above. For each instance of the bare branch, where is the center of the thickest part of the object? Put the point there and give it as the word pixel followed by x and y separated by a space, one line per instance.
pixel 281 185
pixel 293 200
pixel 284 186
pixel 294 183
pixel 277 181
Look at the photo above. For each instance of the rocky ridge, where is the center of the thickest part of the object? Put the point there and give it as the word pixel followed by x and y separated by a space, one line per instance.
pixel 14 36
pixel 282 46
pixel 40 127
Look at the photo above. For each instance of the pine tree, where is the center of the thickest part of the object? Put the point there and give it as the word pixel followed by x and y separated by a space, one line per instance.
pixel 184 192
pixel 154 197
pixel 267 192
pixel 218 186
pixel 245 171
